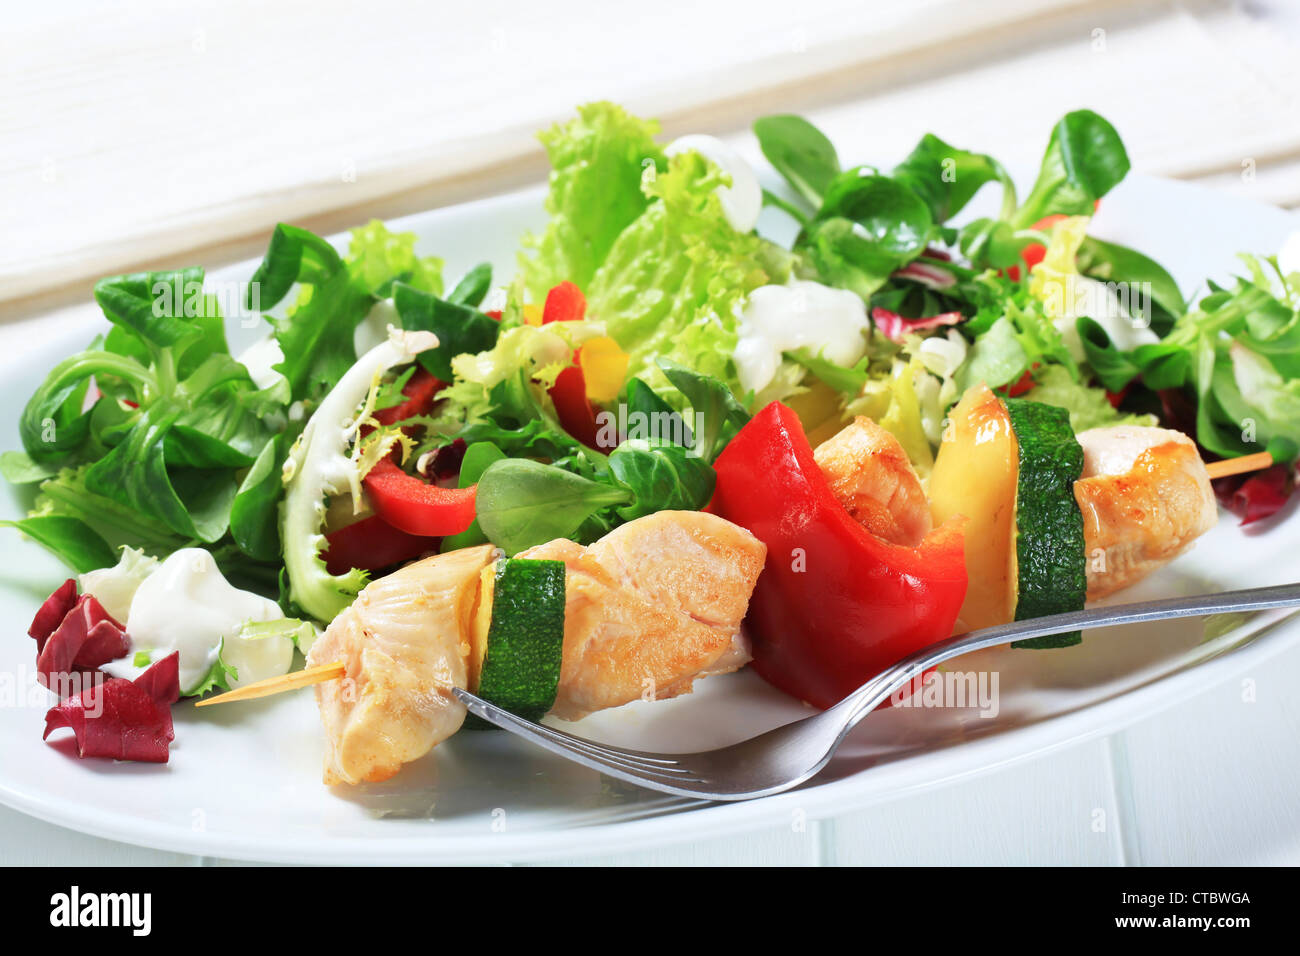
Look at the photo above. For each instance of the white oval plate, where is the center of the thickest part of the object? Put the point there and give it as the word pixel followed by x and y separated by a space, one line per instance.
pixel 244 780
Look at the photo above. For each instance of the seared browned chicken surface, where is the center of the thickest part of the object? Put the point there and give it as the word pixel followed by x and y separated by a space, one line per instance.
pixel 871 476
pixel 1145 498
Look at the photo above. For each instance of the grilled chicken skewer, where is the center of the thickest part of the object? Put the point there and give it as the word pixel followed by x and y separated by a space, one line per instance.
pixel 649 608
pixel 1144 493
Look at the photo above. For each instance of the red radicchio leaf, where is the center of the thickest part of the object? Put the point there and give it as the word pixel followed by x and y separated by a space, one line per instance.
pixel 932 276
pixel 86 638
pixel 893 326
pixel 122 719
pixel 51 614
pixel 162 681
pixel 446 461
pixel 1255 497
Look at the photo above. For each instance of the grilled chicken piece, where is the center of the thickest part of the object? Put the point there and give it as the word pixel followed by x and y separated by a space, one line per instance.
pixel 1145 498
pixel 404 641
pixel 651 607
pixel 871 476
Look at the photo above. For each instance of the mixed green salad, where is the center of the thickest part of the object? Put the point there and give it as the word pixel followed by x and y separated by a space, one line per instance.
pixel 390 413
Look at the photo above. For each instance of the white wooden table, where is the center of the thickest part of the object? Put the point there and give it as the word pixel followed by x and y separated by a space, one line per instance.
pixel 144 137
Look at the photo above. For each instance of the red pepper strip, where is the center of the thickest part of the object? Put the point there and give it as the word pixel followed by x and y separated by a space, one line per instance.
pixel 564 303
pixel 835 605
pixel 419 390
pixel 372 544
pixel 1021 385
pixel 415 506
pixel 572 407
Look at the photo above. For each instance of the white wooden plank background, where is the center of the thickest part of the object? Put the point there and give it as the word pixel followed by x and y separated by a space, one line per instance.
pixel 148 133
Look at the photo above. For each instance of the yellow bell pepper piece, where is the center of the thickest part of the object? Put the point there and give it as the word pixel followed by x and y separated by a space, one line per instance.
pixel 604 367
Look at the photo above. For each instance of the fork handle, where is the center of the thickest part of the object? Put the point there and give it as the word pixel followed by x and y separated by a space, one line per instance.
pixel 877 690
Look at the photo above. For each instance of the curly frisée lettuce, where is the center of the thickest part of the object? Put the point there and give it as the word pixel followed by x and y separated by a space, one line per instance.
pixel 675 279
pixel 321 465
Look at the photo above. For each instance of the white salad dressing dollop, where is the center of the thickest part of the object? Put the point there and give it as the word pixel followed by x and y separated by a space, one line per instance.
pixel 742 201
pixel 258 359
pixel 187 605
pixel 782 318
pixel 1099 302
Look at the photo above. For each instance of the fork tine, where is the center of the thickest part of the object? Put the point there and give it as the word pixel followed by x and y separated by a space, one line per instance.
pixel 623 764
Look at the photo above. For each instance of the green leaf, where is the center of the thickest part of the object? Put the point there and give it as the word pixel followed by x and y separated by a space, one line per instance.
pixel 800 152
pixel 460 328
pixel 1111 262
pixel 72 541
pixel 996 358
pixel 848 380
pixel 868 226
pixel 948 178
pixel 522 503
pixel 254 522
pixel 135 474
pixel 1085 159
pixel 473 286
pixel 18 468
pixel 478 457
pixel 154 305
pixel 718 416
pixel 662 476
pixel 293 255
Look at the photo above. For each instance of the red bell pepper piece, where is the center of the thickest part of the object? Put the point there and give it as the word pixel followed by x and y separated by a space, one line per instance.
pixel 415 506
pixel 835 605
pixel 420 391
pixel 372 544
pixel 564 303
pixel 573 407
pixel 1024 383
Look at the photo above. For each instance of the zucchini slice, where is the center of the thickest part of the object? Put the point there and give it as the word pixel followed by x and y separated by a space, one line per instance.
pixel 517 666
pixel 1049 561
pixel 1009 466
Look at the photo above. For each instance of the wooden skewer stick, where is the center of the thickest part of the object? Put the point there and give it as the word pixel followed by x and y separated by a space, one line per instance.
pixel 1238 466
pixel 275 685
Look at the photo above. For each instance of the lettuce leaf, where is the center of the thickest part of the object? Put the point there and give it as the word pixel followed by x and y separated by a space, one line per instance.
pixel 676 278
pixel 1088 406
pixel 595 193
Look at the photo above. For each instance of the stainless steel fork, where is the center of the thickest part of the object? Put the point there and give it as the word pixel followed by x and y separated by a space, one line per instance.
pixel 789 755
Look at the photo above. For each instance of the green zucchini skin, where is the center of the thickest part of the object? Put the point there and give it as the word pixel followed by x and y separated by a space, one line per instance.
pixel 1051 562
pixel 525 641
